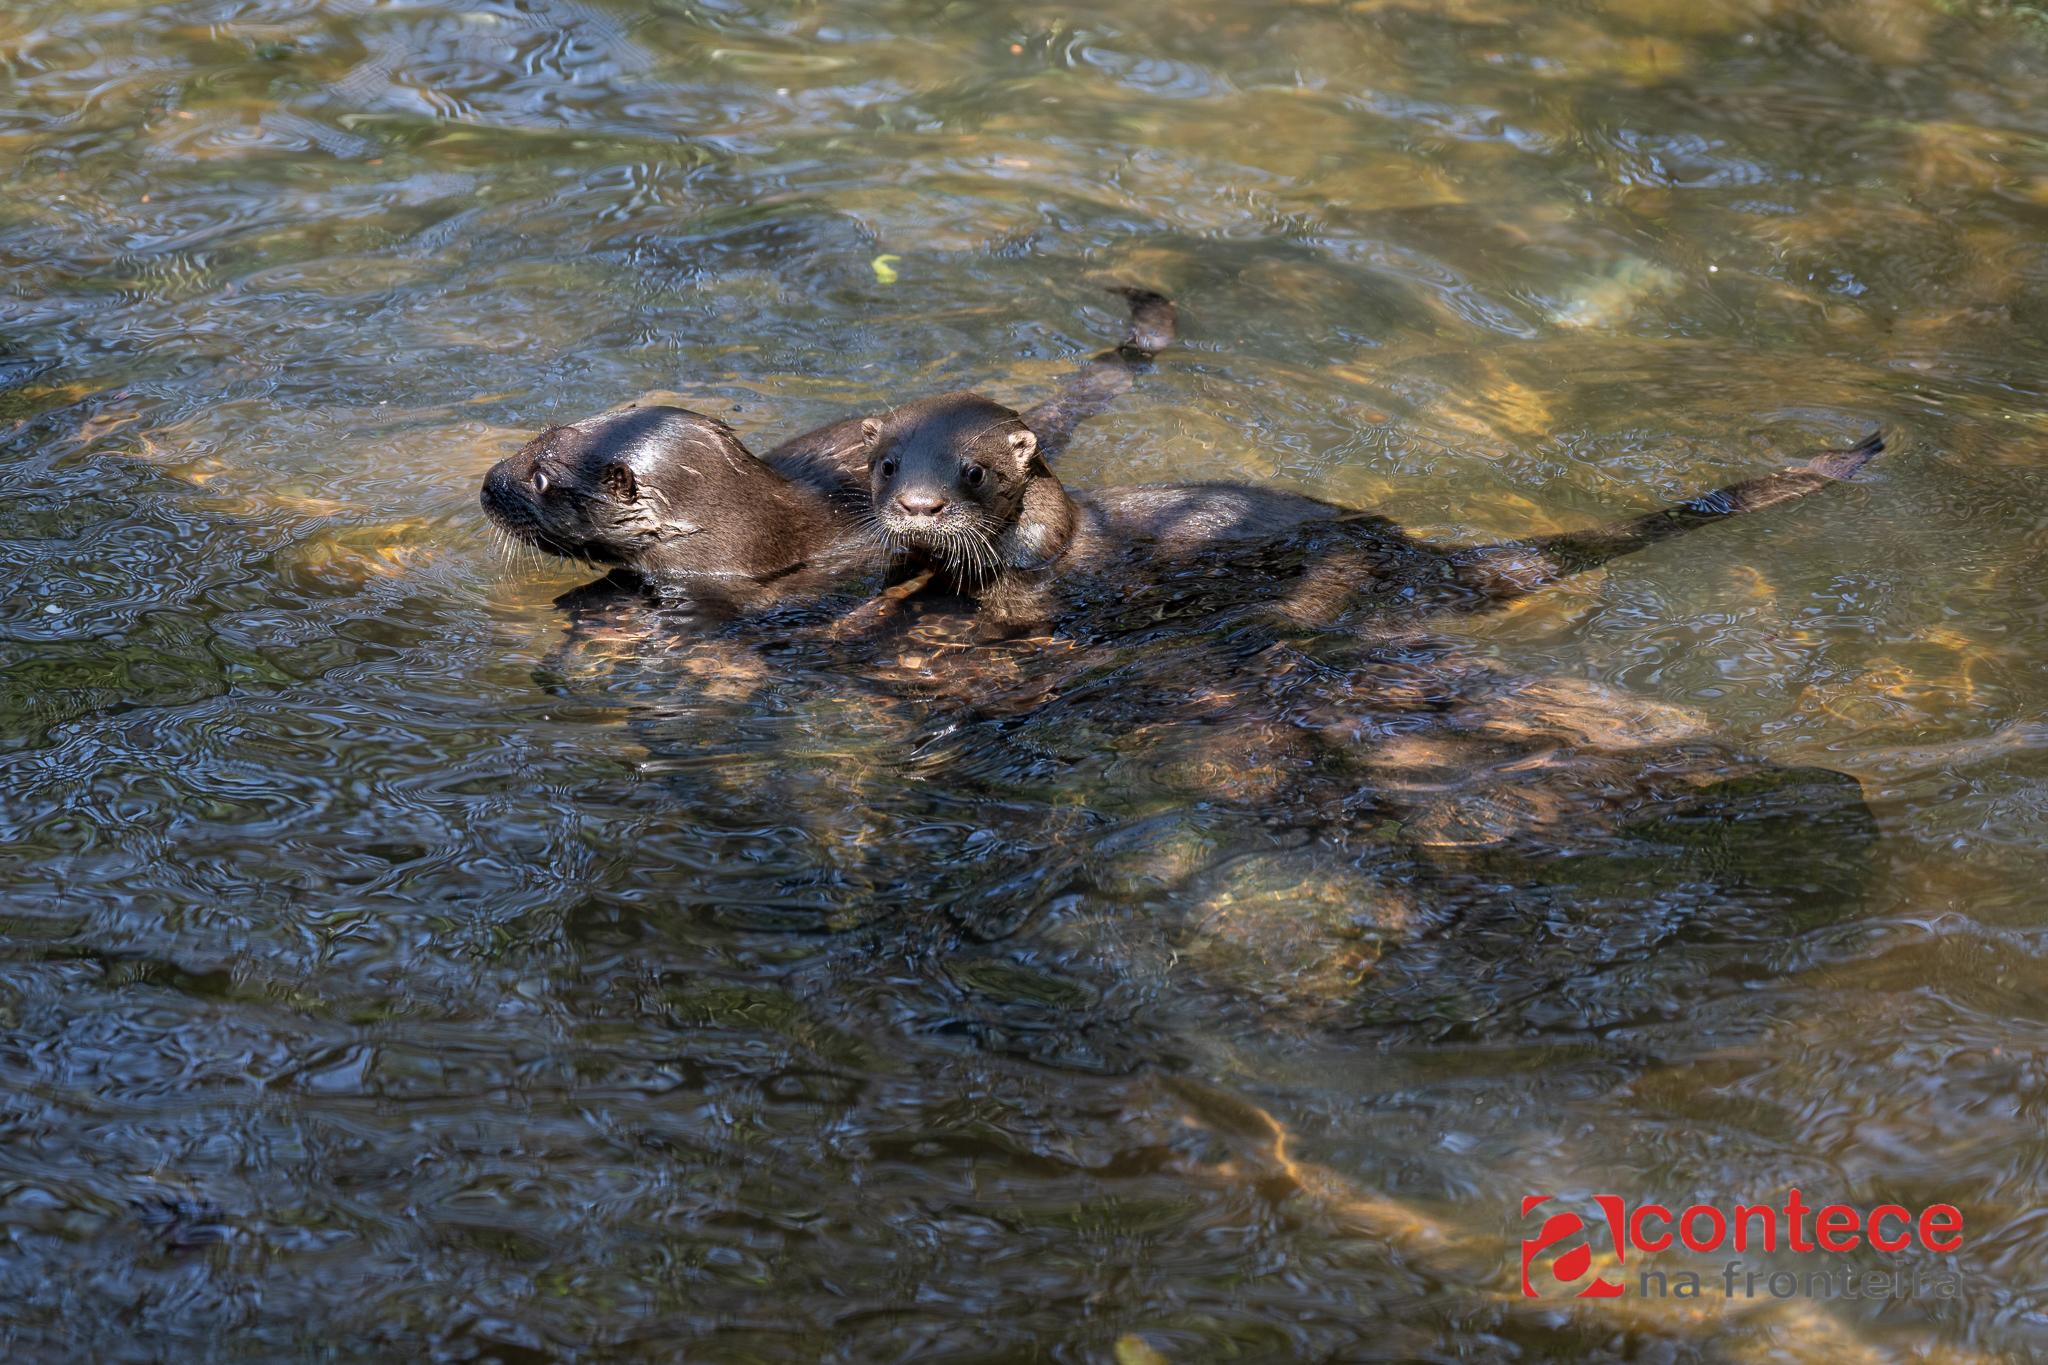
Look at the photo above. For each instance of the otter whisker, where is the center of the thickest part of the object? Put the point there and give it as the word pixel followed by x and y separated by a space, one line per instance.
pixel 971 553
pixel 993 556
pixel 870 527
pixel 979 552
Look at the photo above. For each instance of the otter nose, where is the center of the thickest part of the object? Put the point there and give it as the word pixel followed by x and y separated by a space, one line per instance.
pixel 921 504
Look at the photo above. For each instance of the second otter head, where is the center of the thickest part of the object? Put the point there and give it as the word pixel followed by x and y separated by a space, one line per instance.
pixel 947 475
pixel 662 490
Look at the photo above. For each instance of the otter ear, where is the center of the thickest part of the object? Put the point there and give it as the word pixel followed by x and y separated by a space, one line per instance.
pixel 1023 446
pixel 870 431
pixel 618 481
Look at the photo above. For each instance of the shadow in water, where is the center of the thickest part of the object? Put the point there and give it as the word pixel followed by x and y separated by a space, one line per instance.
pixel 1097 844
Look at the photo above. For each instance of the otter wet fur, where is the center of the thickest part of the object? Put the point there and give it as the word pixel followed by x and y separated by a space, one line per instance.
pixel 673 498
pixel 961 488
pixel 673 501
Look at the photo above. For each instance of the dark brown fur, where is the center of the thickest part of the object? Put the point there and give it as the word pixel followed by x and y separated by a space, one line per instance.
pixel 671 499
pixel 960 486
pixel 672 496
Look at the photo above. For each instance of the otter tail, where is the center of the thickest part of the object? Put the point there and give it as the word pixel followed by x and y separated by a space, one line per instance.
pixel 1108 374
pixel 1501 571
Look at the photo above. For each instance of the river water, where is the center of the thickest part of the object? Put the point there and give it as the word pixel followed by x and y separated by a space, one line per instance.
pixel 391 967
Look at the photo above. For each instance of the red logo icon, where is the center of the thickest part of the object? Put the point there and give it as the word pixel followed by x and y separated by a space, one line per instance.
pixel 1569 1264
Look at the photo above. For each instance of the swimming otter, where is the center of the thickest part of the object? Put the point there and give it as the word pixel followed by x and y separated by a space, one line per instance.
pixel 670 499
pixel 960 485
pixel 674 499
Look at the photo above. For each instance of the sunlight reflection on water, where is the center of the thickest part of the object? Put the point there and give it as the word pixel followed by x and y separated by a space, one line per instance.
pixel 390 971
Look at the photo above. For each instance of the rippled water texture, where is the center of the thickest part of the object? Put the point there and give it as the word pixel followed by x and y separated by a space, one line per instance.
pixel 394 969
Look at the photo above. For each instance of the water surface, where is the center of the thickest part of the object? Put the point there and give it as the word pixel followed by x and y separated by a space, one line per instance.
pixel 392 971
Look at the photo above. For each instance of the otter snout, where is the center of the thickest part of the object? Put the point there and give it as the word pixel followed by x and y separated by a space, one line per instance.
pixel 500 497
pixel 920 504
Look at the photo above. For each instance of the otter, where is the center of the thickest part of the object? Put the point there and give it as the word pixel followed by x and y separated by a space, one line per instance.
pixel 961 488
pixel 671 501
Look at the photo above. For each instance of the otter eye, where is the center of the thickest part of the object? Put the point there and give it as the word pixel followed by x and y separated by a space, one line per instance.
pixel 888 468
pixel 974 474
pixel 540 481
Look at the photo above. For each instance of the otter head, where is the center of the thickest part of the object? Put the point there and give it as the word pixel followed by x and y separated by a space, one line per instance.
pixel 948 477
pixel 662 490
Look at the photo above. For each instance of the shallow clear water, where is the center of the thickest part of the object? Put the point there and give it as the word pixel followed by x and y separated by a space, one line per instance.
pixel 391 971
